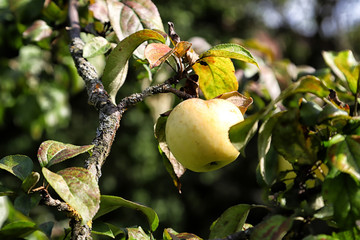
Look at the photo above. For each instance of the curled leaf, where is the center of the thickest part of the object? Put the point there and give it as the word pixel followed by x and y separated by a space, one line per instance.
pixel 52 152
pixel 174 168
pixel 157 53
pixel 241 101
pixel 116 65
pixel 111 203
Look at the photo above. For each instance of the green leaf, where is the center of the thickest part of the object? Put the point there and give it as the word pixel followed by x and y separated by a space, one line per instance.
pixel 19 165
pixel 309 113
pixel 345 155
pixel 296 146
pixel 345 66
pixel 116 65
pixel 54 12
pixel 241 133
pixel 343 193
pixel 96 46
pixel 78 188
pixel 231 221
pixel 110 203
pixel 30 181
pixel 330 111
pixel 216 76
pixel 310 84
pixel 103 229
pixel 267 166
pixel 107 229
pixel 18 229
pixel 230 50
pixel 46 228
pixel 52 152
pixel 26 202
pixel 4 191
pixel 273 228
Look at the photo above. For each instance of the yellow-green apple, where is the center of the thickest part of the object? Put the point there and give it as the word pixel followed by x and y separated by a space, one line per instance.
pixel 197 133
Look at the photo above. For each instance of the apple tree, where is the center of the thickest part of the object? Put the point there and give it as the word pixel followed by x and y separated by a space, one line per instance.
pixel 306 130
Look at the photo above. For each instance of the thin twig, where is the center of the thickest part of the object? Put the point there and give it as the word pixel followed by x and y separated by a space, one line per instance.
pixel 135 98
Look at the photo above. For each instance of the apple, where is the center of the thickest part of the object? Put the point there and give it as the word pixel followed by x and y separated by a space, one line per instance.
pixel 197 133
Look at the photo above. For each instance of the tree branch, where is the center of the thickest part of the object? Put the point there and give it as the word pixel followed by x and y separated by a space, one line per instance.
pixel 109 114
pixel 160 88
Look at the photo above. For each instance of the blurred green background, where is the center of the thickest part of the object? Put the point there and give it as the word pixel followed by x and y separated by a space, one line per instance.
pixel 41 98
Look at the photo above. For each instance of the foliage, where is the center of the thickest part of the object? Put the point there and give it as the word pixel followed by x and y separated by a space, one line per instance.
pixel 306 135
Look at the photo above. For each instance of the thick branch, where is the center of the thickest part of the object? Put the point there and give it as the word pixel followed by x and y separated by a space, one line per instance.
pixel 109 116
pixel 49 201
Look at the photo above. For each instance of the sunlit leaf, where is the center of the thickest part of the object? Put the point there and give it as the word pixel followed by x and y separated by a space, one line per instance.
pixel 345 66
pixel 345 155
pixel 157 53
pixel 173 167
pixel 116 65
pixel 52 152
pixel 136 234
pixel 310 84
pixel 273 228
pixel 230 50
pixel 111 203
pixel 38 31
pixel 181 48
pixel 216 76
pixel 78 188
pixel 17 229
pixel 96 46
pixel 241 133
pixel 231 221
pixel 19 165
pixel 343 193
pixel 171 234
